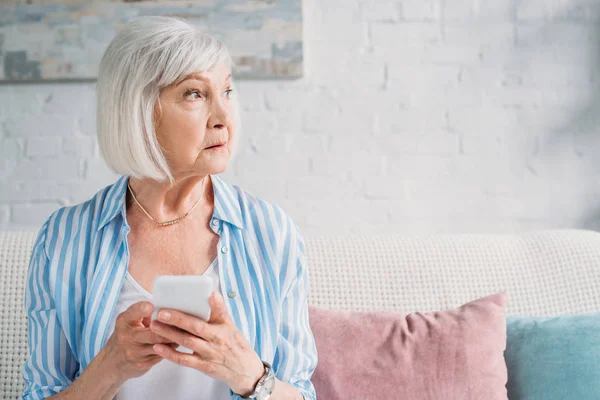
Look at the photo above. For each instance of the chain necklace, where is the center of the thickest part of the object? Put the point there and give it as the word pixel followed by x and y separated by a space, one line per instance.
pixel 173 221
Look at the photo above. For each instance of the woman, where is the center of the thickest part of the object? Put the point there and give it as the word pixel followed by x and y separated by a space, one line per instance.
pixel 167 122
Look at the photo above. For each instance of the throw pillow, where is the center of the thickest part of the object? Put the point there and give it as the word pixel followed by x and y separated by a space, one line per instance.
pixel 553 358
pixel 454 354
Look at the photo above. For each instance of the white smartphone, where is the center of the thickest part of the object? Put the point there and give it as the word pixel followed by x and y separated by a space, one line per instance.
pixel 185 293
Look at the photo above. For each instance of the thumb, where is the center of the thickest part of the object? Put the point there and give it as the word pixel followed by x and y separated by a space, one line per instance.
pixel 135 314
pixel 218 309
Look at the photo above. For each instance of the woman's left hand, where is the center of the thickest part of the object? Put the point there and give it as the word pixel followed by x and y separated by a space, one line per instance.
pixel 220 350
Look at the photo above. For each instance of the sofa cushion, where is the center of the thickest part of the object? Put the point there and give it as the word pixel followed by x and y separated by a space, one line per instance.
pixel 553 358
pixel 452 354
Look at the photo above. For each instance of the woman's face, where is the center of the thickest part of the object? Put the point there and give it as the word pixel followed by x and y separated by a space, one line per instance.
pixel 195 128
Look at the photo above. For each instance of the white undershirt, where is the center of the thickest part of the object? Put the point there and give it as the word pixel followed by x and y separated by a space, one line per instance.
pixel 167 380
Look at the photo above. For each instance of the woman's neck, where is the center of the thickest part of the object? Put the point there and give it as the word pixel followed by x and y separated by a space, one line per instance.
pixel 166 202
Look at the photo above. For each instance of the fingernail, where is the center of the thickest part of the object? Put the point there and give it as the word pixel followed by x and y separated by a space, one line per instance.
pixel 157 348
pixel 145 308
pixel 164 315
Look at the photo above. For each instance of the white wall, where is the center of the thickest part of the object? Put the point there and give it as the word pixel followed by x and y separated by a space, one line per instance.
pixel 413 117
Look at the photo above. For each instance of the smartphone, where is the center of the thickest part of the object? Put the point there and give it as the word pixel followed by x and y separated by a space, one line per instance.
pixel 185 293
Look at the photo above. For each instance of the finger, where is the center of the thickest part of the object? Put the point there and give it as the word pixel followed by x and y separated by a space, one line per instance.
pixel 191 324
pixel 146 353
pixel 147 350
pixel 185 339
pixel 147 336
pixel 137 312
pixel 218 309
pixel 186 360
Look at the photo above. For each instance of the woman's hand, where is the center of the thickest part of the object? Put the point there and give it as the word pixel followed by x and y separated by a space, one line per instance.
pixel 128 353
pixel 220 350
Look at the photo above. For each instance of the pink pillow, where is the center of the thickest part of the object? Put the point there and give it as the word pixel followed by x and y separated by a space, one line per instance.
pixel 454 354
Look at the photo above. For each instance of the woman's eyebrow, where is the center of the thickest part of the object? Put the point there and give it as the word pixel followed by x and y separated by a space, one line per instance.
pixel 193 76
pixel 199 77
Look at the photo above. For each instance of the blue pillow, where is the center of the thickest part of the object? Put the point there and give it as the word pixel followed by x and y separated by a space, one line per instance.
pixel 553 358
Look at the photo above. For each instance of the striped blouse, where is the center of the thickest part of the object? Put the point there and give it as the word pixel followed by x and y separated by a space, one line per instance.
pixel 80 259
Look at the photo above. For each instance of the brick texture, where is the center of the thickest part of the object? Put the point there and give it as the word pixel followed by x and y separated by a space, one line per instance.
pixel 413 117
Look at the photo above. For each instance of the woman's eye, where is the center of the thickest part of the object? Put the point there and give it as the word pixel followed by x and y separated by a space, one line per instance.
pixel 228 93
pixel 192 92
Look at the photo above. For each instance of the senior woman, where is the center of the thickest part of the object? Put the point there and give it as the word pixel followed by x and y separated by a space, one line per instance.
pixel 168 123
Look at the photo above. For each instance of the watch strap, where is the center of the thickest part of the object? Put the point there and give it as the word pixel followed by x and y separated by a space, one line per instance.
pixel 268 372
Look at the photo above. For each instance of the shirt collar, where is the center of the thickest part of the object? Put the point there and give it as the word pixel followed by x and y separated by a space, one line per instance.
pixel 227 202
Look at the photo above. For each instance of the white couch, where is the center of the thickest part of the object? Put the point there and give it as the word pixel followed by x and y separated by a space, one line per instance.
pixel 544 273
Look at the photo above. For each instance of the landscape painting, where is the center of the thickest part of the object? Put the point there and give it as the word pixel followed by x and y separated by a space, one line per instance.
pixel 65 39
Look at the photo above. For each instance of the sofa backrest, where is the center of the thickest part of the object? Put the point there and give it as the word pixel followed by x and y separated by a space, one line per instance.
pixel 548 272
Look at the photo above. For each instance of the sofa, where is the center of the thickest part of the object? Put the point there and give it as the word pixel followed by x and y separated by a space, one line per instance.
pixel 545 273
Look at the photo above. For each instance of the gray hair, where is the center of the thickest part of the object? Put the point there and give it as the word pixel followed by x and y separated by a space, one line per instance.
pixel 147 55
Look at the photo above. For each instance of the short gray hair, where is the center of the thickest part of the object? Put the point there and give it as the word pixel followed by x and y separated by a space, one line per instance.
pixel 147 55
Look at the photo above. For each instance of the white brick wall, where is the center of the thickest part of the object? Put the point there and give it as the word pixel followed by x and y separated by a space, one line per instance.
pixel 414 117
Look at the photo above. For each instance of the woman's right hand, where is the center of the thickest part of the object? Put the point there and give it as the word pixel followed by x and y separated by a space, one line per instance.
pixel 128 352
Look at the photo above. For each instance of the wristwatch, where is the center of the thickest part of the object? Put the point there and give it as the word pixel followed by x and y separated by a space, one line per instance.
pixel 266 384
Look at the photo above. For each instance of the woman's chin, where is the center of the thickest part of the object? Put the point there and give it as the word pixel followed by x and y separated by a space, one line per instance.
pixel 216 165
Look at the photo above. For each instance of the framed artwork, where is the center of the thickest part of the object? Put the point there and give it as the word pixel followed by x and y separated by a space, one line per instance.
pixel 64 39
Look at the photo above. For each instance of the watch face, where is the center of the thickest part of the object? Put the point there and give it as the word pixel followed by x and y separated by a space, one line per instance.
pixel 267 389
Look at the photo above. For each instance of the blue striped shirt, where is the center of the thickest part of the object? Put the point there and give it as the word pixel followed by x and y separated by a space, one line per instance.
pixel 80 259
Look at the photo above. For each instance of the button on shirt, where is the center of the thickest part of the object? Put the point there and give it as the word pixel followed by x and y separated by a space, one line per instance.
pixel 79 263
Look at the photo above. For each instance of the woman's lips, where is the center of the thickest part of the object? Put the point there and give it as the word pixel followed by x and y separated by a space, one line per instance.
pixel 217 147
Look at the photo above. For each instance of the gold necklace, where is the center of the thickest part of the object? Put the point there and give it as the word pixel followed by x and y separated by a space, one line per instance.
pixel 173 221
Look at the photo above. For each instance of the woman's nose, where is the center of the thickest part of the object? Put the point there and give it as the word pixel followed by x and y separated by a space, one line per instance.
pixel 220 116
